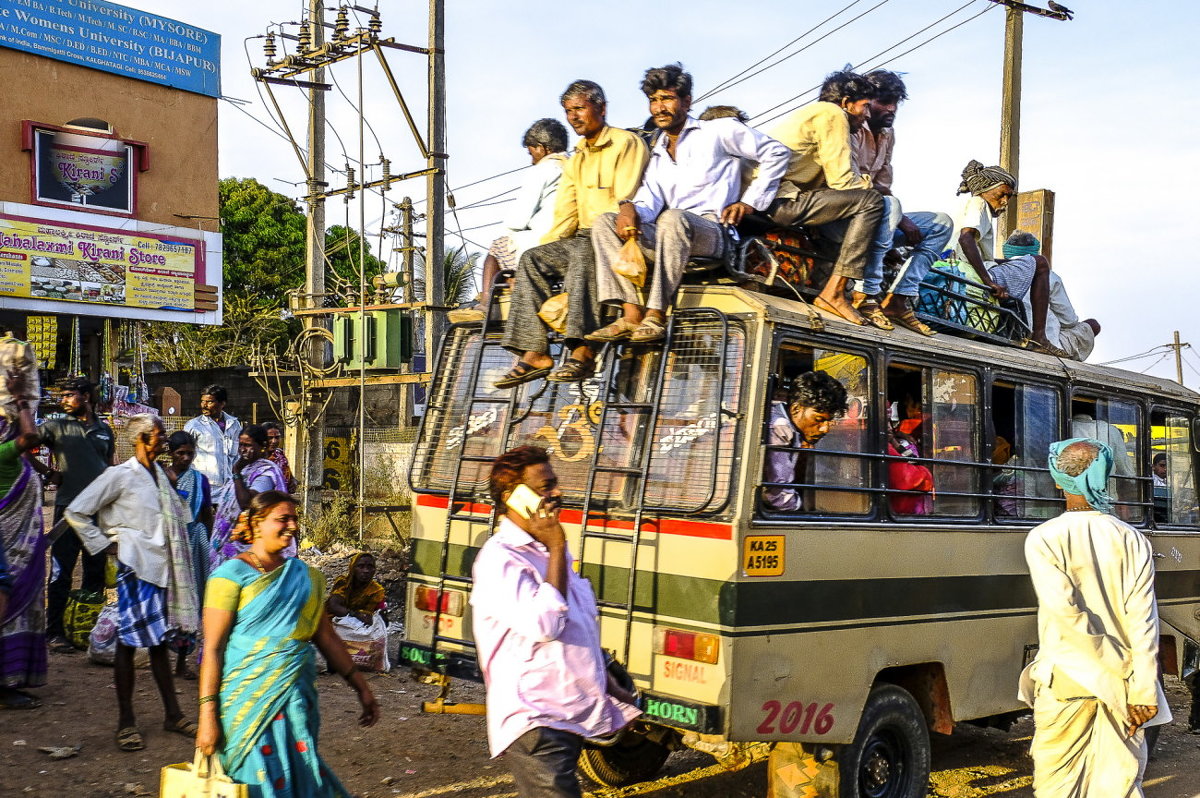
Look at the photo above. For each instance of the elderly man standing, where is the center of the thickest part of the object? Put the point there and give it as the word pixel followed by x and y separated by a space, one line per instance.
pixel 605 170
pixel 691 187
pixel 133 510
pixel 1094 683
pixel 216 433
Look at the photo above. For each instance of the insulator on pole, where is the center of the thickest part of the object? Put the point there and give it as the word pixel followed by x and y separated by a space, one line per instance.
pixel 305 38
pixel 375 24
pixel 269 47
pixel 341 27
pixel 387 172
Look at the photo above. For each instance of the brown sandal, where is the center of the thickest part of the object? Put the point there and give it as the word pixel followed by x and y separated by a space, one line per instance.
pixel 824 305
pixel 909 321
pixel 573 370
pixel 871 311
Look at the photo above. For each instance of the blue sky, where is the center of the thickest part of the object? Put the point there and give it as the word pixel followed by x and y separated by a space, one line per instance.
pixel 1107 114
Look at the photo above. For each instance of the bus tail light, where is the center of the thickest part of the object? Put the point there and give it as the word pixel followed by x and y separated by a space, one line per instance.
pixel 426 600
pixel 696 646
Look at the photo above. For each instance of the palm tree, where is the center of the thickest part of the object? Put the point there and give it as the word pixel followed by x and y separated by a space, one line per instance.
pixel 458 275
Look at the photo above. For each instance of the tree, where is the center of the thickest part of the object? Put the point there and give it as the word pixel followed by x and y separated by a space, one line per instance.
pixel 264 241
pixel 342 258
pixel 248 327
pixel 458 275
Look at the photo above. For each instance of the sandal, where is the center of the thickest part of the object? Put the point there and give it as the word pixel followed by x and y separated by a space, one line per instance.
pixel 15 699
pixel 182 726
pixel 130 739
pixel 619 330
pixel 521 373
pixel 871 311
pixel 1045 349
pixel 573 370
pixel 907 319
pixel 651 331
pixel 824 305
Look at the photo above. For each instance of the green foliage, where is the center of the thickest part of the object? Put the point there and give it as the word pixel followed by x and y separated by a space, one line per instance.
pixel 264 241
pixel 249 326
pixel 342 257
pixel 458 275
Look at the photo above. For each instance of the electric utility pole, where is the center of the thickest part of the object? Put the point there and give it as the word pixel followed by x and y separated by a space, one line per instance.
pixel 435 197
pixel 314 268
pixel 1010 109
pixel 1178 347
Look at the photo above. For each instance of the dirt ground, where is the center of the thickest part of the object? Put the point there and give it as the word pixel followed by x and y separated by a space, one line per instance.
pixel 412 755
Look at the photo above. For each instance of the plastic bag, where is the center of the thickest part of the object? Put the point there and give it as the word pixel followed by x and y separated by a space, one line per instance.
pixel 367 645
pixel 554 313
pixel 17 355
pixel 102 642
pixel 631 263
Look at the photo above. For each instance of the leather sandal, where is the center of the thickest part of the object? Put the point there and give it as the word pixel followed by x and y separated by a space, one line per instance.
pixel 907 319
pixel 519 374
pixel 650 331
pixel 868 306
pixel 573 370
pixel 619 330
pixel 130 739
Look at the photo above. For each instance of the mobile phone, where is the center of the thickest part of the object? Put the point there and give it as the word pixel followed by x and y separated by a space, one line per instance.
pixel 523 500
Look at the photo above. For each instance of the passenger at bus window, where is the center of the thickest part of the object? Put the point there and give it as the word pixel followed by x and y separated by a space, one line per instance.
pixel 532 212
pixel 1158 470
pixel 927 233
pixel 605 169
pixel 990 189
pixel 1008 484
pixel 1085 426
pixel 909 476
pixel 823 187
pixel 1158 476
pixel 692 186
pixel 814 401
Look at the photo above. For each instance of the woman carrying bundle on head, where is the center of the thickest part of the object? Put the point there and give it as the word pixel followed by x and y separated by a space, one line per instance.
pixel 258 697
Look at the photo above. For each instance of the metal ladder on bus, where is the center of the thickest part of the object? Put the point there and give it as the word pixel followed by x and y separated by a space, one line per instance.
pixel 641 455
pixel 459 503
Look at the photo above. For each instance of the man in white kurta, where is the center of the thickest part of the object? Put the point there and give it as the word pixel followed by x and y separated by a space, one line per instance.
pixel 1094 683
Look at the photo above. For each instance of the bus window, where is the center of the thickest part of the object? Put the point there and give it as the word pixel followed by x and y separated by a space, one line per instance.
pixel 1026 420
pixel 955 420
pixel 1117 424
pixel 820 480
pixel 1172 468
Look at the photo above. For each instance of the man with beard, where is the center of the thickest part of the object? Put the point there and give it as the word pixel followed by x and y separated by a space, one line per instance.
pixel 814 401
pixel 927 233
pixel 823 187
pixel 691 187
pixel 605 169
pixel 83 447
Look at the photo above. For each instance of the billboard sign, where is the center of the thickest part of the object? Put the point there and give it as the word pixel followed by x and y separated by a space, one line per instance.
pixel 113 38
pixel 75 170
pixel 70 262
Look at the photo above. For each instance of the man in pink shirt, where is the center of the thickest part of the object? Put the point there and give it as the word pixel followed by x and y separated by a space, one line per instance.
pixel 537 638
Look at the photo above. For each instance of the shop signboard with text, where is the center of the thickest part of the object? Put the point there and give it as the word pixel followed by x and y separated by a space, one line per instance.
pixel 82 263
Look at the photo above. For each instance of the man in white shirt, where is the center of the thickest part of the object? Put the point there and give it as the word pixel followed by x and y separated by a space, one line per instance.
pixel 133 510
pixel 1094 683
pixel 216 433
pixel 1064 329
pixel 536 636
pixel 691 187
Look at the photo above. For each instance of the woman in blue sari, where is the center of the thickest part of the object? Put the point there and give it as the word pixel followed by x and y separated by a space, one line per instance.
pixel 253 473
pixel 258 694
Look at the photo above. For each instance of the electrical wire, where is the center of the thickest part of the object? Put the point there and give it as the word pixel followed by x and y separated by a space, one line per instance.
pixel 1139 356
pixel 813 43
pixel 1155 363
pixel 908 38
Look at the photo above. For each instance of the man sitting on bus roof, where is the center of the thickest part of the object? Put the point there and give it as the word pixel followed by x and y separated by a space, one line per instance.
pixel 824 187
pixel 1063 328
pixel 926 232
pixel 814 401
pixel 692 186
pixel 990 189
pixel 605 169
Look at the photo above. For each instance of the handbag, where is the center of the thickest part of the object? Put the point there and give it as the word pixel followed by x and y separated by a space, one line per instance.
pixel 80 616
pixel 201 778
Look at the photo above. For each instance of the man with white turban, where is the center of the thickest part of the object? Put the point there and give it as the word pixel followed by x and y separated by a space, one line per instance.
pixel 1094 683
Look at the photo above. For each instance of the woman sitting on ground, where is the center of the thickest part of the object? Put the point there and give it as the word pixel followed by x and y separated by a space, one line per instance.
pixel 258 696
pixel 357 595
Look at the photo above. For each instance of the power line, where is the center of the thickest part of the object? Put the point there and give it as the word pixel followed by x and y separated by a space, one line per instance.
pixel 908 38
pixel 734 82
pixel 1155 363
pixel 1139 356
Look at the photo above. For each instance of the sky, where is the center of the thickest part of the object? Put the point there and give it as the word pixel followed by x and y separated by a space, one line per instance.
pixel 1107 112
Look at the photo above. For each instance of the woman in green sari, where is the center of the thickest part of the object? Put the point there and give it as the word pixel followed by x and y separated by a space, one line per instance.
pixel 258 695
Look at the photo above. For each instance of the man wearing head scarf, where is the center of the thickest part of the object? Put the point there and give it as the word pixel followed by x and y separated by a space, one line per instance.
pixel 1094 683
pixel 990 188
pixel 1064 328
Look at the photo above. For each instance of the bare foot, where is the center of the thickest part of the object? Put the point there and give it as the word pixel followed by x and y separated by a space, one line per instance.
pixel 838 305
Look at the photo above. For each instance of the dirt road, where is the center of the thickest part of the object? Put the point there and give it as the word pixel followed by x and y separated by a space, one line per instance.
pixel 411 755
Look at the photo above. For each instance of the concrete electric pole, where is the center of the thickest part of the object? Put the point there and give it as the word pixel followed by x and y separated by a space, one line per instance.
pixel 435 219
pixel 1010 109
pixel 314 268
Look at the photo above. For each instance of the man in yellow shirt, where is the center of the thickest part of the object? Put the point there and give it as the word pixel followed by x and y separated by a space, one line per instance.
pixel 824 186
pixel 605 170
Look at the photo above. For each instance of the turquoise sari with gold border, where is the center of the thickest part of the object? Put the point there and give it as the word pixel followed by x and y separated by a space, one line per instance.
pixel 268 697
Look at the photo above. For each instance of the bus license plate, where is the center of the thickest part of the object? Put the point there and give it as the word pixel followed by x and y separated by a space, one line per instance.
pixel 762 555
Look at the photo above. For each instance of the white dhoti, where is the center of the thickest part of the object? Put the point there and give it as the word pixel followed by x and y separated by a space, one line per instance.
pixel 1081 750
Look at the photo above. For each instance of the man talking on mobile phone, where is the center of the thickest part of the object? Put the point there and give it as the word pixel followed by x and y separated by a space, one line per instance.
pixel 536 635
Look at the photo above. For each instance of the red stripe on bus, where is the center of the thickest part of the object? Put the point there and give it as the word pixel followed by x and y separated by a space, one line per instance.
pixel 663 526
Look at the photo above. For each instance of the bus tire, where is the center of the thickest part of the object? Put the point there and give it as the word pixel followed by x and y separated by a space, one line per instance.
pixel 631 759
pixel 889 757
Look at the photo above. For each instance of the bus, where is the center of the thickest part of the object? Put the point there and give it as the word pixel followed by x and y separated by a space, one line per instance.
pixel 842 633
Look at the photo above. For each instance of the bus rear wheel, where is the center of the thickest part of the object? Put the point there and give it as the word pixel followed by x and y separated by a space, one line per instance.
pixel 889 757
pixel 631 759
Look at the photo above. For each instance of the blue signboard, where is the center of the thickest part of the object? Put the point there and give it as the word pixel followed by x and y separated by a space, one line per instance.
pixel 116 39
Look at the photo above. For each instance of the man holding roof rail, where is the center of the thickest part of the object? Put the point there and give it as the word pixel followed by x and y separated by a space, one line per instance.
pixel 1094 683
